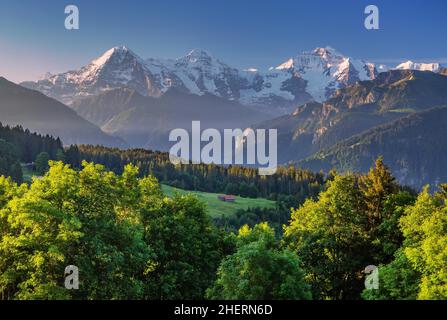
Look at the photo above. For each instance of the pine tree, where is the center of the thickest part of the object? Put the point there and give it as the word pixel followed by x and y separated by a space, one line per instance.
pixel 41 162
pixel 16 172
pixel 376 186
pixel 60 155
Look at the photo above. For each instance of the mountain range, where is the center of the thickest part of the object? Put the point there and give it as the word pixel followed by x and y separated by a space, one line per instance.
pixel 330 110
pixel 310 76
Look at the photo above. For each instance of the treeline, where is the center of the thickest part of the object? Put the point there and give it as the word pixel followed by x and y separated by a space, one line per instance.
pixel 129 241
pixel 20 145
pixel 235 180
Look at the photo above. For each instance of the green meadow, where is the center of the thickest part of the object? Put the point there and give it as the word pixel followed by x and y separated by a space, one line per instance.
pixel 216 207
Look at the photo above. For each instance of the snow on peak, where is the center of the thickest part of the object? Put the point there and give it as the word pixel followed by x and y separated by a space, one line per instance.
pixel 119 52
pixel 325 69
pixel 289 64
pixel 326 52
pixel 197 55
pixel 311 75
pixel 410 65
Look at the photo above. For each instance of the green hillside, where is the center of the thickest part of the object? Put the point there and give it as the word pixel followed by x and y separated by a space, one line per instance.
pixel 217 207
pixel 404 144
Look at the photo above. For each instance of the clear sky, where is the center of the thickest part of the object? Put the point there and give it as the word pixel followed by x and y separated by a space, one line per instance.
pixel 243 33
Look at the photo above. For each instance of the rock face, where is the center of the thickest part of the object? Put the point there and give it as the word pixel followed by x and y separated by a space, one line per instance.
pixel 310 76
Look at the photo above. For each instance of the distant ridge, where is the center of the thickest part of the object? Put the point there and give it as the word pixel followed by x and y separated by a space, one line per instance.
pixel 41 114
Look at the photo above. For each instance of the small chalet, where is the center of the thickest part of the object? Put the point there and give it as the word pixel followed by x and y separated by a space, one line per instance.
pixel 227 198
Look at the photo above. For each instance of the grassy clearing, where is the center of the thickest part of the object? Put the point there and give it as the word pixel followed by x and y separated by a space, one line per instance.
pixel 216 207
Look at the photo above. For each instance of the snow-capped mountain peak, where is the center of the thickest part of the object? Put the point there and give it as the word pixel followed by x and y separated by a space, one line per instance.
pixel 328 53
pixel 116 68
pixel 311 75
pixel 325 69
pixel 112 58
pixel 106 56
pixel 410 65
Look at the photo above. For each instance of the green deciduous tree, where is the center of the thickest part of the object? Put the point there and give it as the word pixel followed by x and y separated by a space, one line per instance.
pixel 186 246
pixel 330 237
pixel 397 281
pixel 260 269
pixel 425 230
pixel 78 218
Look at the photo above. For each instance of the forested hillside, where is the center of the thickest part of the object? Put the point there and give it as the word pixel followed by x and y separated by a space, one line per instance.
pixel 397 115
pixel 133 242
pixel 236 180
pixel 412 146
pixel 18 145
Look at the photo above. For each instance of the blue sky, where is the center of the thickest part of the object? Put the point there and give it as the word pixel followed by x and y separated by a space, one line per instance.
pixel 243 33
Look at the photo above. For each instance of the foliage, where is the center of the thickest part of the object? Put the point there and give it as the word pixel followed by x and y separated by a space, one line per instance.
pixel 28 145
pixel 119 231
pixel 276 217
pixel 424 227
pixel 9 162
pixel 237 180
pixel 260 269
pixel 397 281
pixel 353 224
pixel 187 249
pixel 218 208
pixel 130 241
pixel 329 236
pixel 41 163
